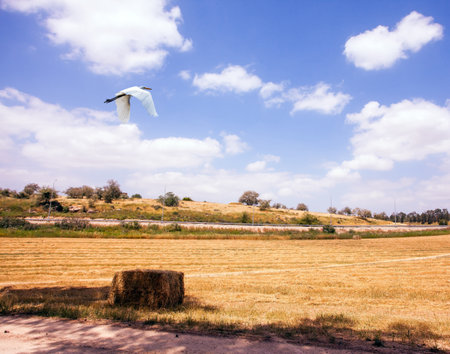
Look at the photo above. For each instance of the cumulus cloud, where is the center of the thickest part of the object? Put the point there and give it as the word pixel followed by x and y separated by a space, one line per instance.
pixel 380 48
pixel 409 130
pixel 261 165
pixel 233 78
pixel 233 144
pixel 318 98
pixel 52 136
pixel 404 131
pixel 112 37
pixel 269 88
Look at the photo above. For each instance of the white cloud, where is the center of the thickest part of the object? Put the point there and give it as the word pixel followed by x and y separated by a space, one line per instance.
pixel 409 130
pixel 256 166
pixel 404 131
pixel 269 88
pixel 233 144
pixel 317 98
pixel 185 74
pixel 52 136
pixel 261 165
pixel 380 48
pixel 233 78
pixel 112 37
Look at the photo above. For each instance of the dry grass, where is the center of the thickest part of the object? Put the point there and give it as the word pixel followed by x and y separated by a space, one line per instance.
pixel 207 211
pixel 290 288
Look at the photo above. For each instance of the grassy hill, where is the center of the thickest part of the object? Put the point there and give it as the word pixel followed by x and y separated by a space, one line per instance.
pixel 186 211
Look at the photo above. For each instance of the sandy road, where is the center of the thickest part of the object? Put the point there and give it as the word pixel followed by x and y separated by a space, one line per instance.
pixel 26 334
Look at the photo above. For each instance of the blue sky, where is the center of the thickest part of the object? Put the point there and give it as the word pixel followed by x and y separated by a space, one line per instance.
pixel 302 101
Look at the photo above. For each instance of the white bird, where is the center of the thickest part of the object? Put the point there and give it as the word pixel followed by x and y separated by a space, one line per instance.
pixel 122 99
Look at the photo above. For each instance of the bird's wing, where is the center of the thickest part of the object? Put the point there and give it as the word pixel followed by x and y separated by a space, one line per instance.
pixel 123 108
pixel 145 97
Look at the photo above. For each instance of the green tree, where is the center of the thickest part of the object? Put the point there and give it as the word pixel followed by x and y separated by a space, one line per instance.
pixel 111 191
pixel 169 199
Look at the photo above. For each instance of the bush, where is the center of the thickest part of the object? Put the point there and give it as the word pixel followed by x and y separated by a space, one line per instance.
pixel 309 219
pixel 133 225
pixel 73 224
pixel 169 199
pixel 245 219
pixel 187 199
pixel 136 196
pixel 443 222
pixel 174 227
pixel 329 229
pixel 264 204
pixel 16 223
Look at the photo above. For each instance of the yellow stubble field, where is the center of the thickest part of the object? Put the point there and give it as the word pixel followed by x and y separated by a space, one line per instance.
pixel 394 288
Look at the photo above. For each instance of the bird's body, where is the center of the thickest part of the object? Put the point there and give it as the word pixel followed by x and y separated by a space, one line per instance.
pixel 122 99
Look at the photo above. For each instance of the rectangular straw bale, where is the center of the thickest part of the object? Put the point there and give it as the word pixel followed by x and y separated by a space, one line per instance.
pixel 149 288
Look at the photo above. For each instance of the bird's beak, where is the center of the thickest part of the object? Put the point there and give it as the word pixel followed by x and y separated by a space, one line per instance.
pixel 147 88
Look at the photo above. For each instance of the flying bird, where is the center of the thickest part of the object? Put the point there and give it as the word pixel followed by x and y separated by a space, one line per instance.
pixel 122 99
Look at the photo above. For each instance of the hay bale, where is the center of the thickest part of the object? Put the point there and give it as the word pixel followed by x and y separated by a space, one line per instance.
pixel 150 288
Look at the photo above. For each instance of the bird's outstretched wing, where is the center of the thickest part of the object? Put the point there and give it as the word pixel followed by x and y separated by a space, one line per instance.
pixel 123 108
pixel 144 96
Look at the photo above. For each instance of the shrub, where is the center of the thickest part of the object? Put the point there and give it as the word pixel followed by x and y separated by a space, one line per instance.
pixel 136 196
pixel 443 222
pixel 169 199
pixel 329 229
pixel 73 224
pixel 309 219
pixel 174 227
pixel 264 204
pixel 133 225
pixel 16 223
pixel 187 199
pixel 245 219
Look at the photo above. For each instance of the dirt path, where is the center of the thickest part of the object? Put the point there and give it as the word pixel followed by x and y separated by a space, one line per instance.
pixel 27 334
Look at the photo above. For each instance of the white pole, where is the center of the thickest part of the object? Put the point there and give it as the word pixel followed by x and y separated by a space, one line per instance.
pixel 163 203
pixel 51 197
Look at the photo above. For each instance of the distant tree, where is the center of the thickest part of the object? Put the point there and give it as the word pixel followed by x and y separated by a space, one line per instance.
pixel 249 198
pixel 136 196
pixel 169 199
pixel 98 192
pixel 332 210
pixel 302 207
pixel 111 191
pixel 346 211
pixel 187 199
pixel 381 216
pixel 31 188
pixel 45 195
pixel 87 191
pixel 264 204
pixel 362 213
pixel 278 206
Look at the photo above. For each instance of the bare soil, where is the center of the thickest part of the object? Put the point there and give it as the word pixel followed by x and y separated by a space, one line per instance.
pixel 31 334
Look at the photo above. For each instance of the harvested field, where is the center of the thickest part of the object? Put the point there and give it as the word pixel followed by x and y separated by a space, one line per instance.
pixel 385 289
